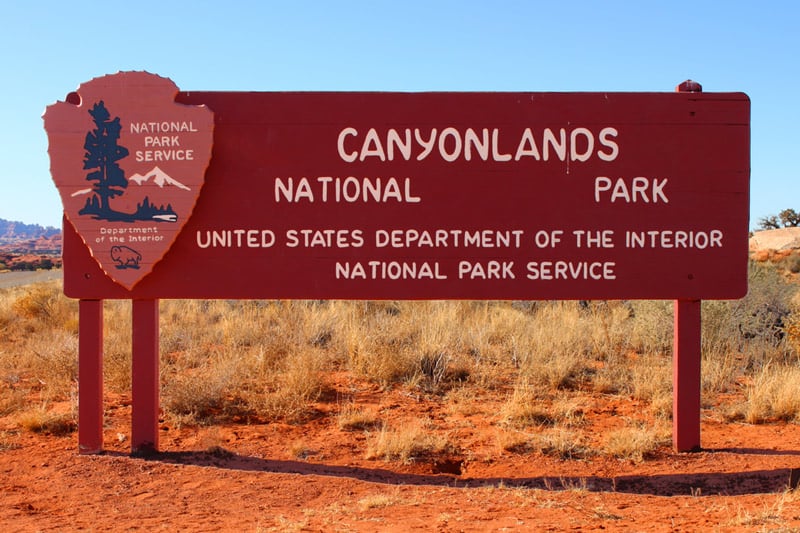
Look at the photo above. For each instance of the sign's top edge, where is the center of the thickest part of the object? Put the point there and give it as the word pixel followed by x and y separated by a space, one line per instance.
pixel 735 95
pixel 144 74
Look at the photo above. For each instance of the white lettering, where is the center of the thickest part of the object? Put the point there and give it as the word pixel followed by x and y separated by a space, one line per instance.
pixel 560 145
pixel 527 146
pixel 347 190
pixel 636 191
pixel 605 133
pixel 555 270
pixel 575 155
pixel 481 145
pixel 453 155
pixel 393 139
pixel 488 270
pixel 699 240
pixel 388 270
pixel 372 146
pixel 162 127
pixel 578 144
pixel 164 155
pixel 346 156
pixel 427 145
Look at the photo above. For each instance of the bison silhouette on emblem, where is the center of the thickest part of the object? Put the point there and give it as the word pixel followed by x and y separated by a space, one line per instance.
pixel 125 257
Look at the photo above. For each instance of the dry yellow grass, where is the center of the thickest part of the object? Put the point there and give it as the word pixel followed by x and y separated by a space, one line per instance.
pixel 354 418
pixel 561 442
pixel 269 360
pixel 530 405
pixel 773 394
pixel 407 444
pixel 378 501
pixel 41 420
pixel 634 443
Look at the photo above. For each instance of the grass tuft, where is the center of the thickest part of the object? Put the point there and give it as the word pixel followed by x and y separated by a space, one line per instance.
pixel 407 444
pixel 633 443
pixel 40 420
pixel 772 395
pixel 353 418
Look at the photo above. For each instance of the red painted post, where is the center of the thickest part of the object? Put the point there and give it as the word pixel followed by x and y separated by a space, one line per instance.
pixel 686 357
pixel 145 379
pixel 90 376
pixel 686 376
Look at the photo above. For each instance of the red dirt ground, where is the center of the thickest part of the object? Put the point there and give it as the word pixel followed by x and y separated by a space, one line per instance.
pixel 314 476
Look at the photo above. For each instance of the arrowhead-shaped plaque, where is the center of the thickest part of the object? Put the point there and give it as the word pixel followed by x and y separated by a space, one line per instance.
pixel 129 164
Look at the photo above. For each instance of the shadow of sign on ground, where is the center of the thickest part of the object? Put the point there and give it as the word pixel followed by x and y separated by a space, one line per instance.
pixel 692 484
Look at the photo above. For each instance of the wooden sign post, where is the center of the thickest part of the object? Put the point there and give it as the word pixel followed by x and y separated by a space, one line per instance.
pixel 90 375
pixel 520 196
pixel 686 388
pixel 686 358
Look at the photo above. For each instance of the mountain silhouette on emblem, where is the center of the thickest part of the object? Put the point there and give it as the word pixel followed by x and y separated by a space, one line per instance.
pixel 158 177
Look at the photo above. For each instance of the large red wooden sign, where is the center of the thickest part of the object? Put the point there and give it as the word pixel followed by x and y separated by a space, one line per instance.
pixel 453 195
pixel 394 195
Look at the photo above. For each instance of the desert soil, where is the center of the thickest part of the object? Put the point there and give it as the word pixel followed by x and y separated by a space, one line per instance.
pixel 314 476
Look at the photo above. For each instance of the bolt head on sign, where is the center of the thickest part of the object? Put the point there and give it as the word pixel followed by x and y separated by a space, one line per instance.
pixel 129 164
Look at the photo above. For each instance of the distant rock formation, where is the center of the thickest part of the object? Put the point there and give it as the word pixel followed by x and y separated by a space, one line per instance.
pixel 12 231
pixel 775 239
pixel 774 243
pixel 29 246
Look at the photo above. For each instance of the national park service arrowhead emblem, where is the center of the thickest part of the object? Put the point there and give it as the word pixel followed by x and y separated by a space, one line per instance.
pixel 129 163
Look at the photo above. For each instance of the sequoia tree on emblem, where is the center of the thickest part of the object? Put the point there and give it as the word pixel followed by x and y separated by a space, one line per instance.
pixel 129 164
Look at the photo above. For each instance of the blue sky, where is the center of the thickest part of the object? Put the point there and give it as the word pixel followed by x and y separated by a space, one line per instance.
pixel 49 48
